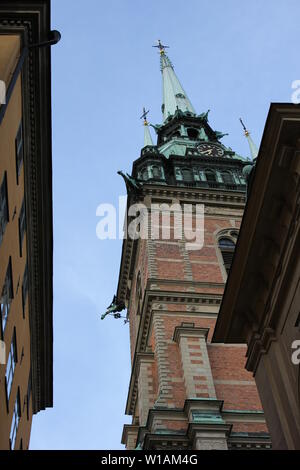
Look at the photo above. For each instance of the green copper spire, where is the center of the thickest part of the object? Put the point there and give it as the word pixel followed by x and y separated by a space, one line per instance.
pixel 147 136
pixel 253 148
pixel 174 96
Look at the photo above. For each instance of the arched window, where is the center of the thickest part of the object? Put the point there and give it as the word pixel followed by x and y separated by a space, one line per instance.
pixel 187 174
pixel 227 177
pixel 192 133
pixel 145 173
pixel 156 171
pixel 210 176
pixel 227 247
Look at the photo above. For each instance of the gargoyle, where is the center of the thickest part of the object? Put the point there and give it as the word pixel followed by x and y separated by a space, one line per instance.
pixel 114 308
pixel 132 185
pixel 219 135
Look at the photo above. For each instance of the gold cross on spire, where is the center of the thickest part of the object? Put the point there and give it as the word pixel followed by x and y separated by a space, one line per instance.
pixel 161 47
pixel 244 127
pixel 144 116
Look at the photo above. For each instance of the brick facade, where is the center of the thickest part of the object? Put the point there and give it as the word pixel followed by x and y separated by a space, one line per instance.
pixel 173 306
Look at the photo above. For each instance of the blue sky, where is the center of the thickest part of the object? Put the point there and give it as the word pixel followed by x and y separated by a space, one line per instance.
pixel 233 58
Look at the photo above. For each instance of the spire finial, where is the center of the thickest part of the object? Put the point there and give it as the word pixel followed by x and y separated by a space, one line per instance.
pixel 144 116
pixel 161 47
pixel 147 136
pixel 174 97
pixel 253 148
pixel 245 129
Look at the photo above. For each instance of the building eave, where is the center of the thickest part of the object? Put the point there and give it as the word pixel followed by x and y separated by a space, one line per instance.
pixel 32 21
pixel 265 235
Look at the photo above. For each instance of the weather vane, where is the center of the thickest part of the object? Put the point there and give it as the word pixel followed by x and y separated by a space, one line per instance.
pixel 144 116
pixel 160 46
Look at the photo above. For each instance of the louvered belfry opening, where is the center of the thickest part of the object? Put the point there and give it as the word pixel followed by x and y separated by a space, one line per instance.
pixel 227 248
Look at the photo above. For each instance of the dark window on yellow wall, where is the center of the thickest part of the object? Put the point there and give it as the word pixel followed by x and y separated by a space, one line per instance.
pixel 15 421
pixel 3 207
pixel 28 395
pixel 19 151
pixel 227 248
pixel 25 288
pixel 6 297
pixel 11 364
pixel 22 225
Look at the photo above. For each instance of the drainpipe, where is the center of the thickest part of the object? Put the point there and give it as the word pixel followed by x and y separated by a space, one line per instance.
pixel 54 38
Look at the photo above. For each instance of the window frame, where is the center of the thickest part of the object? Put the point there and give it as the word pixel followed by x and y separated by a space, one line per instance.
pixel 6 304
pixel 11 365
pixel 22 226
pixel 192 133
pixel 15 421
pixel 145 172
pixel 226 234
pixel 184 172
pixel 209 171
pixel 25 288
pixel 227 250
pixel 4 208
pixel 156 168
pixel 19 150
pixel 29 388
pixel 230 176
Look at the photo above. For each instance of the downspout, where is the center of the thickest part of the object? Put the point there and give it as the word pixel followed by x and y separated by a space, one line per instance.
pixel 55 37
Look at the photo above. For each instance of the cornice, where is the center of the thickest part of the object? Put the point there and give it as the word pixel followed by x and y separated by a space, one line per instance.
pixel 180 298
pixel 194 428
pixel 259 284
pixel 200 415
pixel 125 268
pixel 196 194
pixel 208 408
pixel 32 21
pixel 154 282
pixel 128 429
pixel 192 331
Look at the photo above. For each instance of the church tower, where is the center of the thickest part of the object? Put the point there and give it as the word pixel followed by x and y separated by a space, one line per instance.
pixel 185 392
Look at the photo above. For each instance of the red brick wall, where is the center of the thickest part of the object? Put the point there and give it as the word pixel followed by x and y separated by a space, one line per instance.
pixel 232 382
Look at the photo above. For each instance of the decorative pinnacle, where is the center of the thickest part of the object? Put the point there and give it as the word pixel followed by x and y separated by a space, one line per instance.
pixel 253 148
pixel 161 47
pixel 245 129
pixel 144 116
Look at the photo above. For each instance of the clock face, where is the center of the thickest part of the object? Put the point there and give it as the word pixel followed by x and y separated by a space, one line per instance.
pixel 210 150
